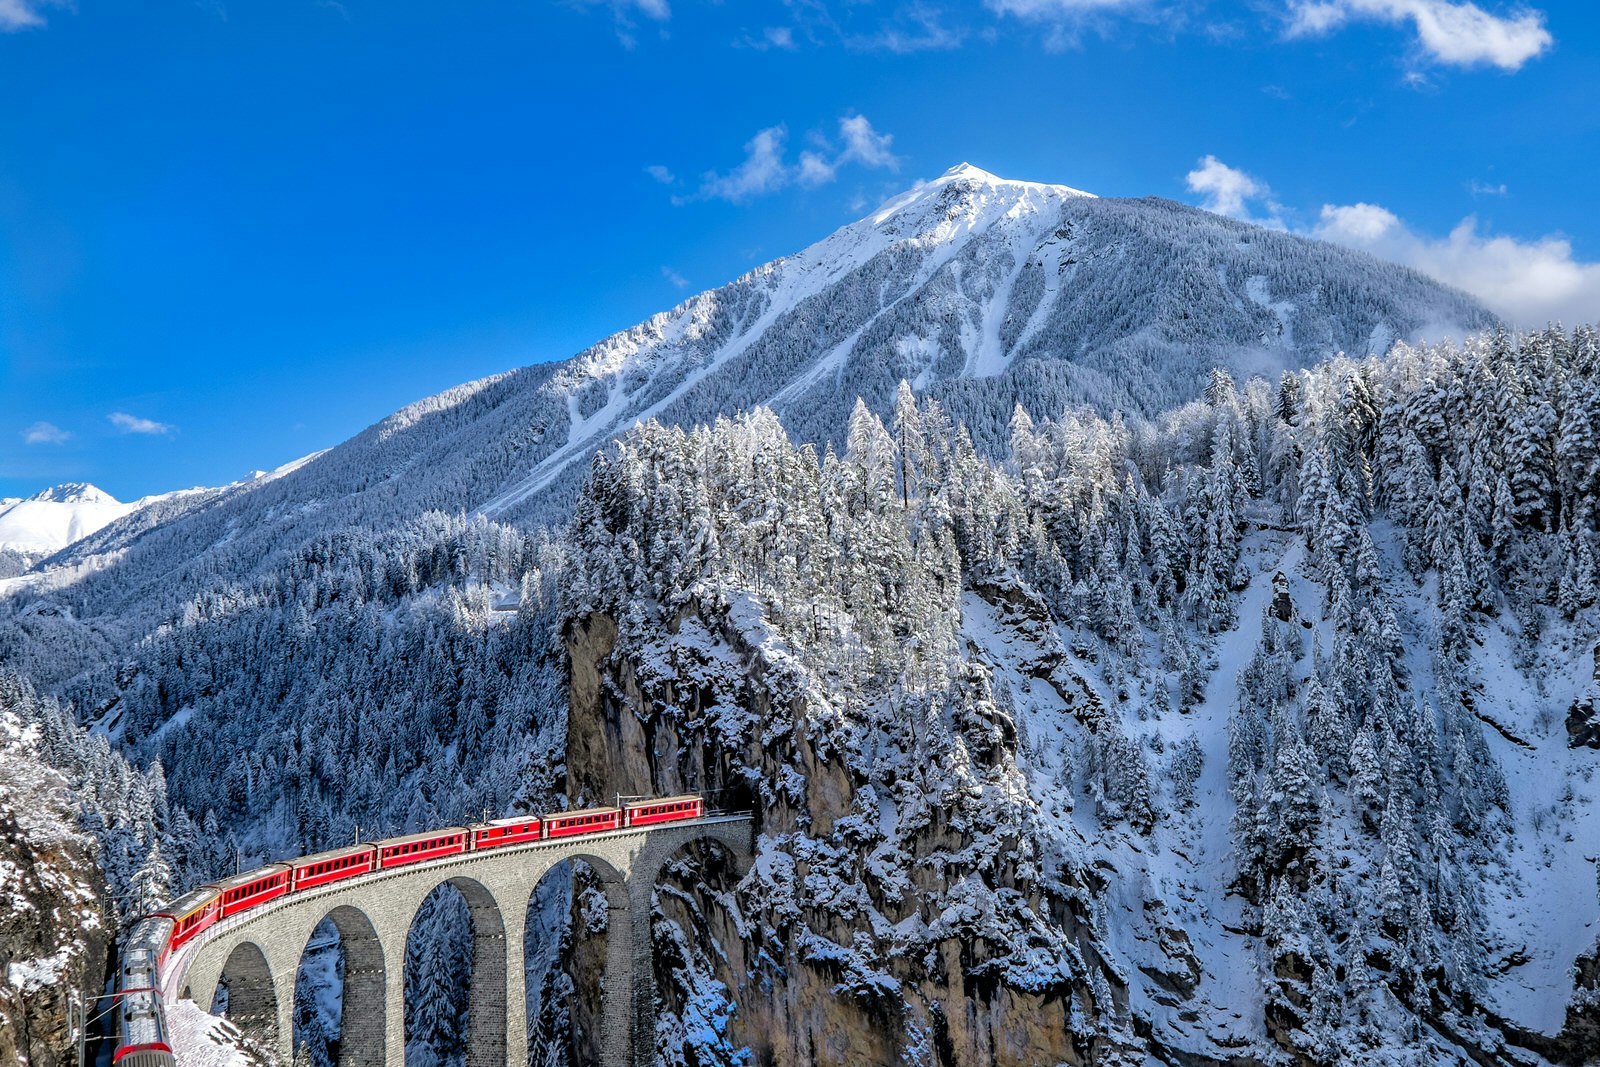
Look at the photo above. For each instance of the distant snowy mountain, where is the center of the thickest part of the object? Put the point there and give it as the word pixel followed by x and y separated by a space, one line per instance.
pixel 53 519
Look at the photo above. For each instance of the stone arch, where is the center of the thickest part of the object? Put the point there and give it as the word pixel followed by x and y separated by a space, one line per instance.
pixel 593 1007
pixel 733 850
pixel 487 1018
pixel 252 999
pixel 707 946
pixel 361 1013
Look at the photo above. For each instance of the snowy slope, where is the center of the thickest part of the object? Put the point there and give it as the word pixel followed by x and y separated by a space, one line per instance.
pixel 56 517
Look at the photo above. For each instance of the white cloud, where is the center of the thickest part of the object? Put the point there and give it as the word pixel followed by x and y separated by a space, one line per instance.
pixel 656 10
pixel 779 37
pixel 45 433
pixel 623 14
pixel 1454 32
pixel 126 423
pixel 1053 10
pixel 765 169
pixel 814 170
pixel 24 14
pixel 915 28
pixel 678 281
pixel 1061 18
pixel 865 145
pixel 1228 191
pixel 1527 282
pixel 1486 188
pixel 660 174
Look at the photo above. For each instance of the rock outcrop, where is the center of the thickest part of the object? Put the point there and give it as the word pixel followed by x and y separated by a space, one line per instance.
pixel 841 949
pixel 55 930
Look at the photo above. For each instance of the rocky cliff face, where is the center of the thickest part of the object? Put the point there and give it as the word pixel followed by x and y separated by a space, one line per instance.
pixel 54 925
pixel 846 947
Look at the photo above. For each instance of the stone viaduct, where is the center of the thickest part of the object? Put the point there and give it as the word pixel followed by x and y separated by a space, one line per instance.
pixel 258 952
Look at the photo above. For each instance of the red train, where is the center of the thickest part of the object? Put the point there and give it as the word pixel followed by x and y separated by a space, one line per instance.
pixel 141 1040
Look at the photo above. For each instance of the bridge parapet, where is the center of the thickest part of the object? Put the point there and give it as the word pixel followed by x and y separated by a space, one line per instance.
pixel 259 951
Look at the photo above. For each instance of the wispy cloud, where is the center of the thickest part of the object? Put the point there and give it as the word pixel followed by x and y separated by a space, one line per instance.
pixel 763 170
pixel 625 15
pixel 25 14
pixel 126 423
pixel 660 174
pixel 914 28
pixel 865 145
pixel 1527 282
pixel 45 433
pixel 1452 32
pixel 1063 19
pixel 766 168
pixel 678 281
pixel 1230 191
pixel 770 37
pixel 1478 188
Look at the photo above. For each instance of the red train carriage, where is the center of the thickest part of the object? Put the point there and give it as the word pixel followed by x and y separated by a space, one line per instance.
pixel 506 831
pixel 590 821
pixel 414 848
pixel 662 809
pixel 333 866
pixel 244 891
pixel 190 914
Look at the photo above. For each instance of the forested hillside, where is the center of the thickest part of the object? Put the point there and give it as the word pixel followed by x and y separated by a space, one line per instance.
pixel 1260 728
pixel 1241 731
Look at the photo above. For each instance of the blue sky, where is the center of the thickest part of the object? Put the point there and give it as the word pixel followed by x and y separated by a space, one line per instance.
pixel 236 231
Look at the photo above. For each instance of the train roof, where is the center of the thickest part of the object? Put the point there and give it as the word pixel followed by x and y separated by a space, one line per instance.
pixel 334 854
pixel 222 885
pixel 443 831
pixel 150 924
pixel 147 935
pixel 190 901
pixel 648 801
pixel 581 811
pixel 514 820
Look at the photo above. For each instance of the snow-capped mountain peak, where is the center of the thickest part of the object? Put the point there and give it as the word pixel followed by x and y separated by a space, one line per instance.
pixel 984 187
pixel 980 291
pixel 75 493
pixel 52 519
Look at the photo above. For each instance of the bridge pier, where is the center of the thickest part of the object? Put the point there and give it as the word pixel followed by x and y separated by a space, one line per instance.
pixel 394 1014
pixel 260 953
pixel 620 982
pixel 283 987
pixel 488 1020
pixel 516 985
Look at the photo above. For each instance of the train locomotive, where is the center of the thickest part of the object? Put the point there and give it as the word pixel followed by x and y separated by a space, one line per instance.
pixel 142 1039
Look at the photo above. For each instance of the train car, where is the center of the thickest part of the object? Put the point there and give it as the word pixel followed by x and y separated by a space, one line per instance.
pixel 662 809
pixel 335 865
pixel 190 914
pixel 141 1031
pixel 589 821
pixel 414 848
pixel 507 831
pixel 144 953
pixel 245 891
